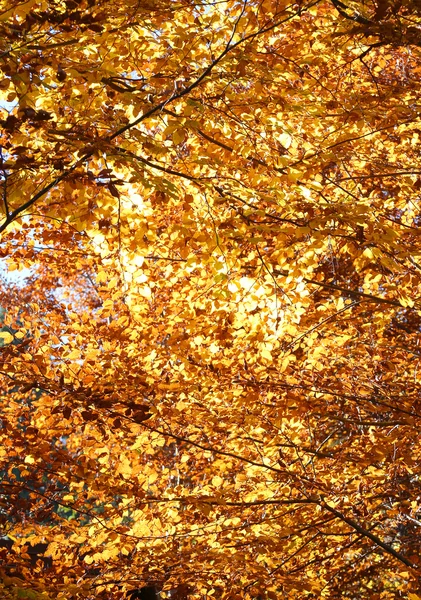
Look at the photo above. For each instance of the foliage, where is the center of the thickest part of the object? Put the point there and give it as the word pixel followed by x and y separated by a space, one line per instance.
pixel 210 362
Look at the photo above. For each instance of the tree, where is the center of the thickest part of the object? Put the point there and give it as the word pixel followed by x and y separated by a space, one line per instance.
pixel 210 369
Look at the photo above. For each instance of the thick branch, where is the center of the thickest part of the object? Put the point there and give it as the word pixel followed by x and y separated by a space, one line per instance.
pixel 366 533
pixel 348 292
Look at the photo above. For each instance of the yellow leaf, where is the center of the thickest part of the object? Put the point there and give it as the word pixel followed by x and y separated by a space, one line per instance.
pixel 294 175
pixel 169 386
pixel 6 337
pixel 145 291
pixel 217 481
pixel 178 136
pixel 405 301
pixel 112 283
pixel 101 277
pixel 285 139
pixel 265 353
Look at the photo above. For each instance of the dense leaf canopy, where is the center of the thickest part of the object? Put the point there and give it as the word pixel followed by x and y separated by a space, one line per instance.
pixel 212 298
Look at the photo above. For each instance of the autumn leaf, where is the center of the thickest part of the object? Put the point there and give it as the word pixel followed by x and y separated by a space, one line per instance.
pixel 210 299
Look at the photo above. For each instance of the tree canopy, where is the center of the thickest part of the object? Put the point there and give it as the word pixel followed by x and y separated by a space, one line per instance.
pixel 210 221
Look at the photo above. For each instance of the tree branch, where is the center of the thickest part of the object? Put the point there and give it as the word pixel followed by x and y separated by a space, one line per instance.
pixel 356 17
pixel 363 531
pixel 178 94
